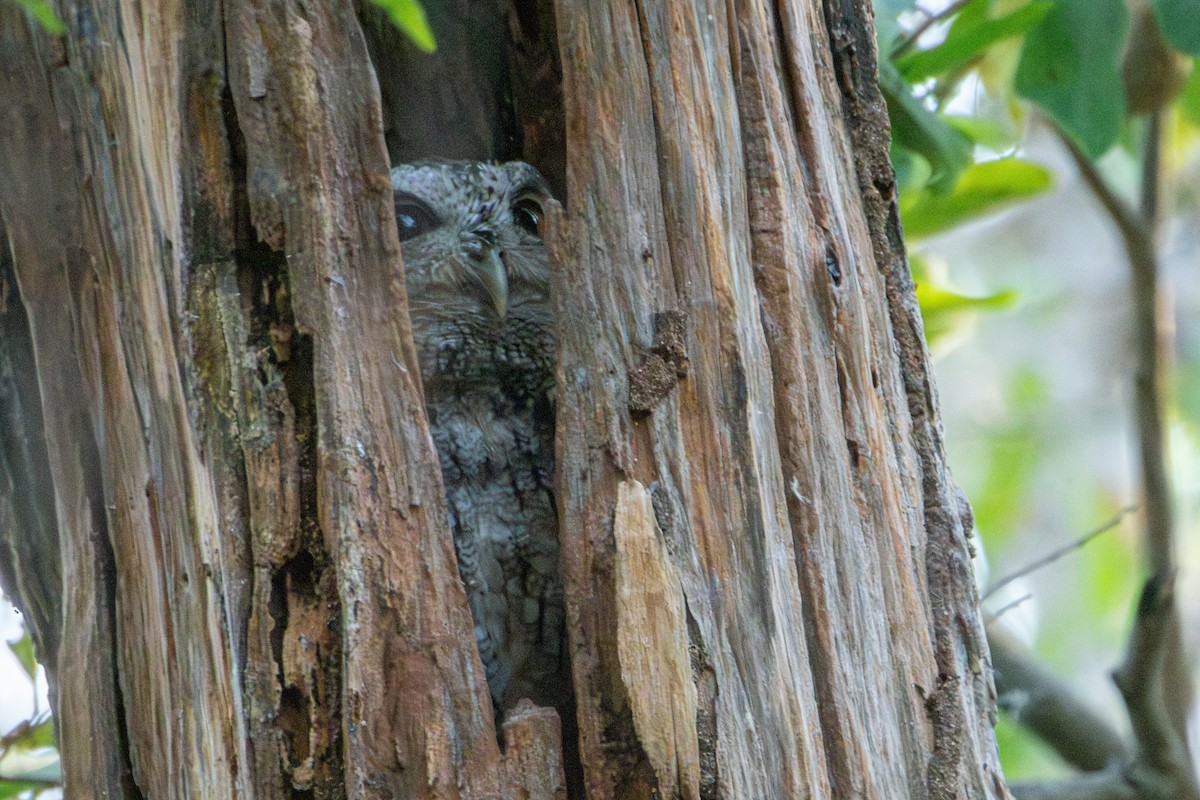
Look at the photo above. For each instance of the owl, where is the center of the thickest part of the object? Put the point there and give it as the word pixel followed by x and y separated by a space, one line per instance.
pixel 478 296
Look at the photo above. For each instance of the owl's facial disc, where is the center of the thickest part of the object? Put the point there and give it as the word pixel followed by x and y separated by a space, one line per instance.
pixel 470 236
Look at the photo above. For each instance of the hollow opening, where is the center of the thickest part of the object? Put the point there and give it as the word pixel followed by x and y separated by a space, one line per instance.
pixel 490 92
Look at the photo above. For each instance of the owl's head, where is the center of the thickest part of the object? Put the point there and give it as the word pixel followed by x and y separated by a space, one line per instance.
pixel 469 234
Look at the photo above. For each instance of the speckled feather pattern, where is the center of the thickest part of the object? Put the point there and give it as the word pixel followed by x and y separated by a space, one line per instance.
pixel 488 382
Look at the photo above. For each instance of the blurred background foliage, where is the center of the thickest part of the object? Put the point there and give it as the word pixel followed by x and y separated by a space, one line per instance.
pixel 28 761
pixel 1024 287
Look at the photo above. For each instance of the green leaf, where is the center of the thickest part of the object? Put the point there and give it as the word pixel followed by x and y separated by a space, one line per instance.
pixel 40 735
pixel 14 789
pixel 23 650
pixel 30 754
pixel 944 310
pixel 920 130
pixel 968 40
pixel 982 189
pixel 409 16
pixel 989 132
pixel 43 12
pixel 1189 99
pixel 1180 23
pixel 937 299
pixel 1070 66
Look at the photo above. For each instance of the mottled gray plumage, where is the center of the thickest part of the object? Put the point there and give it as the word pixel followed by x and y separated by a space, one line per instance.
pixel 478 285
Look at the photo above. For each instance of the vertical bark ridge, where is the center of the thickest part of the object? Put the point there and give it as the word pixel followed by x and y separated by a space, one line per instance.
pixel 102 287
pixel 418 720
pixel 765 246
pixel 960 703
pixel 852 503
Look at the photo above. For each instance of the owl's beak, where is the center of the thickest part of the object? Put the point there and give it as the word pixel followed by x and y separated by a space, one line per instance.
pixel 491 273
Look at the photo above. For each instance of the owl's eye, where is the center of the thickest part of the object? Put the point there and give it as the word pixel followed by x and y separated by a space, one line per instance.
pixel 413 217
pixel 527 212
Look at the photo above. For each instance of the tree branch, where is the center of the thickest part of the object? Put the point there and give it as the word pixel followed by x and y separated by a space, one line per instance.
pixel 1109 784
pixel 1162 764
pixel 1049 708
pixel 1152 171
pixel 930 20
pixel 1158 766
pixel 1137 233
pixel 1154 678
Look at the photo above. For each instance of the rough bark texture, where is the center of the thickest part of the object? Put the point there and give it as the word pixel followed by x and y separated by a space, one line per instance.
pixel 797 473
pixel 219 503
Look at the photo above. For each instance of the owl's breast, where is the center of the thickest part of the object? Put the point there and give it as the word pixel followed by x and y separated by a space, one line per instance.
pixel 496 453
pixel 460 354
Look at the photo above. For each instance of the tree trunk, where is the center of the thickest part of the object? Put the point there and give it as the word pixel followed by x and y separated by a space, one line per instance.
pixel 219 504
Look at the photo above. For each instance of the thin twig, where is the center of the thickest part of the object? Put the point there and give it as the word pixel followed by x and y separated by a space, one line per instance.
pixel 1054 555
pixel 1004 609
pixel 930 20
